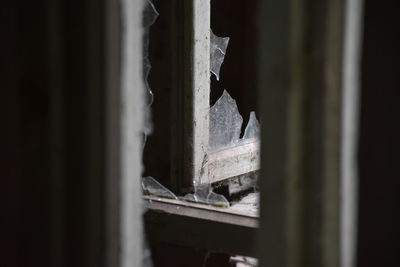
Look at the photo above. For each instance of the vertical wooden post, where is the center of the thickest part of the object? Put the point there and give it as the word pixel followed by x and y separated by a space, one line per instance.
pixel 303 174
pixel 273 92
pixel 196 89
pixel 113 155
pixel 350 110
pixel 130 146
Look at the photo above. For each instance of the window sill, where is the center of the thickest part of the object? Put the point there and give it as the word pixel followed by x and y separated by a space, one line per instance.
pixel 201 226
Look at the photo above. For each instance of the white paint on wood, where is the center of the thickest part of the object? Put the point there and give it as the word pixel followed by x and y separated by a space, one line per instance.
pixel 234 161
pixel 201 85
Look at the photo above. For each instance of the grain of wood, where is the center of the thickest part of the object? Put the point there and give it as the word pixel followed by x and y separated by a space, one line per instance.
pixel 232 162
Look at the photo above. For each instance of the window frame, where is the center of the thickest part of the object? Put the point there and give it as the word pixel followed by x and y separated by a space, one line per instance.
pixel 193 162
pixel 285 91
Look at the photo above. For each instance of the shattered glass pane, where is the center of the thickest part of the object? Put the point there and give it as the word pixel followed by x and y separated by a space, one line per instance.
pixel 249 203
pixel 253 127
pixel 218 47
pixel 225 123
pixel 243 261
pixel 150 15
pixel 203 194
pixel 152 187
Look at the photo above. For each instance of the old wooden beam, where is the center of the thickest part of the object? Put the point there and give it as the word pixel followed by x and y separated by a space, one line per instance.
pixel 200 226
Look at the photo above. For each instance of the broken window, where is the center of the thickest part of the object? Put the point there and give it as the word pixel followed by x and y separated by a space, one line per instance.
pixel 201 150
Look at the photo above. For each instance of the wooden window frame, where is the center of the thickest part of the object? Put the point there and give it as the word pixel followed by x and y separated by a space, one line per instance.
pixel 192 162
pixel 196 163
pixel 301 150
pixel 308 177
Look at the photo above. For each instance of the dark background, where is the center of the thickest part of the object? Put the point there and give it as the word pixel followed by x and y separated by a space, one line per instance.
pixel 379 157
pixel 52 149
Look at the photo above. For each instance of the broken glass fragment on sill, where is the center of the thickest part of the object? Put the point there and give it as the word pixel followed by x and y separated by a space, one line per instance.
pixel 204 195
pixel 152 187
pixel 249 203
pixel 225 123
pixel 150 15
pixel 243 261
pixel 218 47
pixel 253 127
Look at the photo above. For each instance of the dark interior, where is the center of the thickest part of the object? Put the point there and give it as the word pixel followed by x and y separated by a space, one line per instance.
pixel 379 143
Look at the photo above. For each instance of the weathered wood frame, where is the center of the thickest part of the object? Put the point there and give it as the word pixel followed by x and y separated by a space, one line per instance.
pixel 306 187
pixel 196 100
pixel 233 161
pixel 94 108
pixel 308 87
pixel 181 222
pixel 192 160
pixel 200 226
pixel 124 125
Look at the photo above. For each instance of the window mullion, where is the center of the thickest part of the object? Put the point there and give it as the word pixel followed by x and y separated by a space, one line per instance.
pixel 196 88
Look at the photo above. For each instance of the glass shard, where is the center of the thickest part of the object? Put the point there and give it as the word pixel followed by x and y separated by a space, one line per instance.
pixel 250 203
pixel 253 127
pixel 203 194
pixel 152 187
pixel 150 15
pixel 243 261
pixel 225 123
pixel 218 47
